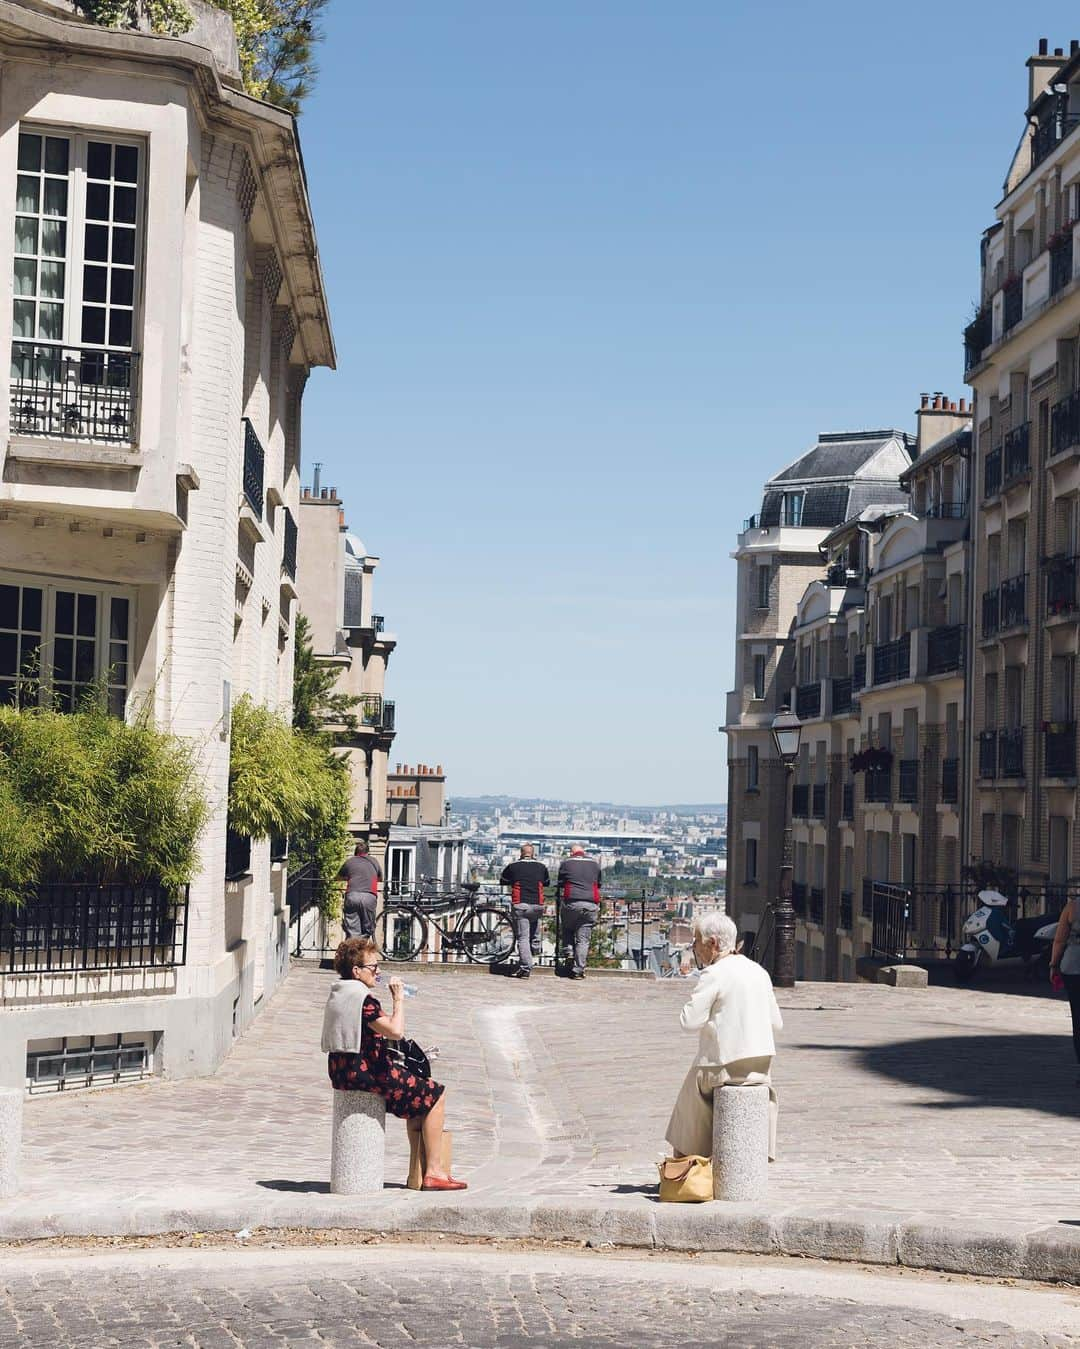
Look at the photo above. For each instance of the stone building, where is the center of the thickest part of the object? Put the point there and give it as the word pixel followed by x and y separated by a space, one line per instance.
pixel 168 305
pixel 425 849
pixel 1023 363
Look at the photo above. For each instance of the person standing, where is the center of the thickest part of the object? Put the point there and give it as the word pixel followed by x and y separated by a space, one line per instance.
pixel 526 878
pixel 1065 960
pixel 361 875
pixel 579 900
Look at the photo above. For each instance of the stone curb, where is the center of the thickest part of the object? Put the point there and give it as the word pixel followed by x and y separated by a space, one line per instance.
pixel 867 1236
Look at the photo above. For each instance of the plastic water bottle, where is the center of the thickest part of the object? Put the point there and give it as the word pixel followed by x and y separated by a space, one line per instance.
pixel 409 990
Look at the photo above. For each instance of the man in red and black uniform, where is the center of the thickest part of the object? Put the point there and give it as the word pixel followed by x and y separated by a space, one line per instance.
pixel 526 879
pixel 579 899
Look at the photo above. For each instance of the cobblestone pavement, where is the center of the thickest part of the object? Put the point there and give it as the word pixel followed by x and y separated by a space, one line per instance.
pixel 950 1104
pixel 418 1298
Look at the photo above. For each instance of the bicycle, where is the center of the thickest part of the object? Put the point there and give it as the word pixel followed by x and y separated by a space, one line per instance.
pixel 482 933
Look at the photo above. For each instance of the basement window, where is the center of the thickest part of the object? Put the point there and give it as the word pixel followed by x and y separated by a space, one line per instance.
pixel 76 1062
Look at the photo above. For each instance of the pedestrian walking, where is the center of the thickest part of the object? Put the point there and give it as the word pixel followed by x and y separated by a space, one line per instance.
pixel 579 905
pixel 1065 961
pixel 361 874
pixel 526 878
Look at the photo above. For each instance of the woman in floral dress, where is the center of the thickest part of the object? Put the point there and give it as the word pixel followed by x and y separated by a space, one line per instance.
pixel 355 1032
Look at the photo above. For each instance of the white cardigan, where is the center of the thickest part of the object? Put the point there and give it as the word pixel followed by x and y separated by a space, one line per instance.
pixel 734 1008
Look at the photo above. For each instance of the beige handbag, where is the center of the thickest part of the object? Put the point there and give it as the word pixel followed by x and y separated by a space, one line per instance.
pixel 685 1180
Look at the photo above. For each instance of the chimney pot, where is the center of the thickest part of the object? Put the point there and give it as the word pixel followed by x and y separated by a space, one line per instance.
pixel 1059 51
pixel 937 402
pixel 1043 46
pixel 438 769
pixel 963 404
pixel 924 400
pixel 1074 46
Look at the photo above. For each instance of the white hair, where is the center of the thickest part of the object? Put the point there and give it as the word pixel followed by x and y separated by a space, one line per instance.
pixel 717 927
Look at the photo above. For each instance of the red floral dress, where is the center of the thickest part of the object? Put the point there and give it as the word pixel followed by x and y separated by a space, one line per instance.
pixel 407 1095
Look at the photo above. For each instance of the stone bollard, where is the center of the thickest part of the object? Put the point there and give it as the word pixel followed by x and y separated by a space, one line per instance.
pixel 740 1143
pixel 358 1147
pixel 11 1113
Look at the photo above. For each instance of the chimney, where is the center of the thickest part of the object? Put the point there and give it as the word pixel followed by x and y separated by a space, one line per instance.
pixel 1042 69
pixel 938 419
pixel 438 769
pixel 316 479
pixel 924 400
pixel 1074 46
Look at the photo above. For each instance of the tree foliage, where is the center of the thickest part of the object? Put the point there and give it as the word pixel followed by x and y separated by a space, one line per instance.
pixel 317 703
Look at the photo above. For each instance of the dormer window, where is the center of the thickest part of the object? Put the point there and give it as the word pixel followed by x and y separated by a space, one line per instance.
pixel 793 508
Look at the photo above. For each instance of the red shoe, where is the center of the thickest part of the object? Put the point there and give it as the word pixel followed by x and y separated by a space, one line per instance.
pixel 434 1183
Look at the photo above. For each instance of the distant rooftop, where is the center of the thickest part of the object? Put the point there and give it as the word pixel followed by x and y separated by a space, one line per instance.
pixel 840 476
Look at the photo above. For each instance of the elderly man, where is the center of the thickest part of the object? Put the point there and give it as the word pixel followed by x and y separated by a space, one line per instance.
pixel 579 904
pixel 361 874
pixel 734 1011
pixel 526 879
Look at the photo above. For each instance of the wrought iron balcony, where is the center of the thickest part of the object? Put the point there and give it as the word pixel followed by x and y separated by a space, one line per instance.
pixel 798 898
pixel 1013 307
pixel 387 715
pixel 254 469
pixel 950 781
pixel 1059 741
pixel 376 712
pixel 892 660
pixel 808 701
pixel 751 522
pixel 992 473
pixel 800 800
pixel 378 623
pixel 1016 450
pixel 818 800
pixel 847 910
pixel 991 612
pixel 878 786
pixel 1065 424
pixel 945 649
pixel 288 551
pixel 988 754
pixel 78 393
pixel 1011 753
pixel 1060 585
pixel 977 336
pixel 858 673
pixel 817 905
pixel 944 510
pixel 1014 602
pixel 841 696
pixel 1061 262
pixel 909 780
pixel 1052 130
pixel 847 801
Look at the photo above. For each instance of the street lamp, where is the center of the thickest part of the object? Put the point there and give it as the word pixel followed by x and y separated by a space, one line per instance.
pixel 787 733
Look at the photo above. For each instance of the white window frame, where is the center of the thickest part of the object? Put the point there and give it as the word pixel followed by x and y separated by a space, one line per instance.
pixel 104 594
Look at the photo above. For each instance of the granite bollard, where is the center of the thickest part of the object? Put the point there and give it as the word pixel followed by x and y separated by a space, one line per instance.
pixel 358 1147
pixel 11 1113
pixel 740 1143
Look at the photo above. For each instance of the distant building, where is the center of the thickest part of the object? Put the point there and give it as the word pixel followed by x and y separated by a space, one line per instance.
pixel 424 849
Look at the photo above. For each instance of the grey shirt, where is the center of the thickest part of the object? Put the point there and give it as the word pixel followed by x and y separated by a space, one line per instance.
pixel 362 874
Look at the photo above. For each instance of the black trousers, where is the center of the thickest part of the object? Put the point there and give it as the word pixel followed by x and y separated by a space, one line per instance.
pixel 1072 988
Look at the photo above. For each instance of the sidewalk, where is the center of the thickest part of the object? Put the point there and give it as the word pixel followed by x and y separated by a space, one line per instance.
pixel 935 1127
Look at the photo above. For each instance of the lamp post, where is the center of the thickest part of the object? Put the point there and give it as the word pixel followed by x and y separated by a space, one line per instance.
pixel 787 733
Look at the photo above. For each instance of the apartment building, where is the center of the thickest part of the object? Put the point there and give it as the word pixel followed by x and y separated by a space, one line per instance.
pixel 425 849
pixel 168 305
pixel 1023 363
pixel 843 476
pixel 336 582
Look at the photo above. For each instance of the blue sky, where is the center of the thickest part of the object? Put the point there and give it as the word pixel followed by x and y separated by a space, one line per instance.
pixel 596 269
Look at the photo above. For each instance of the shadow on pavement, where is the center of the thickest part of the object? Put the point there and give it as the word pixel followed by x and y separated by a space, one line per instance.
pixel 297 1186
pixel 1010 978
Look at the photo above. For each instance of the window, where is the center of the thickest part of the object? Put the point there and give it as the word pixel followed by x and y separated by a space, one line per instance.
pixel 793 508
pixel 1010 841
pixel 751 768
pixel 77 247
pixel 58 639
pixel 751 860
pixel 764 578
pixel 759 677
pixel 990 700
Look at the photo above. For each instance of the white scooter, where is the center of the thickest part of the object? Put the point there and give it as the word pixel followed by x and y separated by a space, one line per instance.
pixel 989 936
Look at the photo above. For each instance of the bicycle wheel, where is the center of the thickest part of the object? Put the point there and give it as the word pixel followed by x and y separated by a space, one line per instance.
pixel 485 934
pixel 404 933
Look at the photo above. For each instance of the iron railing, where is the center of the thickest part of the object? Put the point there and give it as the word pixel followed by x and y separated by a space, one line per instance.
pixel 1060 585
pixel 66 927
pixel 288 551
pixel 1011 753
pixel 950 781
pixel 800 800
pixel 988 754
pixel 818 800
pixel 992 473
pixel 878 785
pixel 1016 452
pixel 892 660
pixel 1061 263
pixel 909 780
pixel 945 649
pixel 944 510
pixel 1052 130
pixel 808 701
pixel 847 797
pixel 80 393
pixel 977 336
pixel 841 696
pixel 891 914
pixel 847 910
pixel 378 623
pixel 1013 306
pixel 991 612
pixel 376 712
pixel 858 672
pixel 254 468
pixel 1065 423
pixel 1014 602
pixel 1059 750
pixel 817 905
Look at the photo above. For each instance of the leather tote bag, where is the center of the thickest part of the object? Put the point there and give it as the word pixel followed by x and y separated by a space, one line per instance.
pixel 685 1180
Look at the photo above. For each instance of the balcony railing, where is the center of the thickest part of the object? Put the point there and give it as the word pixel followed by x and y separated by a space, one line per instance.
pixel 254 469
pixel 378 623
pixel 818 800
pixel 376 712
pixel 1016 450
pixel 288 550
pixel 909 780
pixel 1013 306
pixel 944 510
pixel 847 801
pixel 1059 741
pixel 1065 424
pixel 858 673
pixel 847 910
pixel 798 898
pixel 892 660
pixel 94 927
pixel 800 800
pixel 945 649
pixel 950 781
pixel 1014 602
pixel 817 905
pixel 808 701
pixel 1052 130
pixel 878 786
pixel 841 696
pixel 1060 586
pixel 751 522
pixel 1061 262
pixel 79 393
pixel 991 612
pixel 988 754
pixel 1011 753
pixel 977 336
pixel 992 473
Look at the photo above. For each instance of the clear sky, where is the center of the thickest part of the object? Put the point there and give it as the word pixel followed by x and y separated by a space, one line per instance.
pixel 596 269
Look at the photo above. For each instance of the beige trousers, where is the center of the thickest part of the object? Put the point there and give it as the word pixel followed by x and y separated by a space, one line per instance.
pixel 689 1130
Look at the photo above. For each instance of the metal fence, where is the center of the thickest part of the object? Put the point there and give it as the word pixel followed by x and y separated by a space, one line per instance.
pixel 913 922
pixel 66 927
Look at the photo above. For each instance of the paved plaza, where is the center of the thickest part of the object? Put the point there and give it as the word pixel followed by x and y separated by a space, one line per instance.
pixel 938 1106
